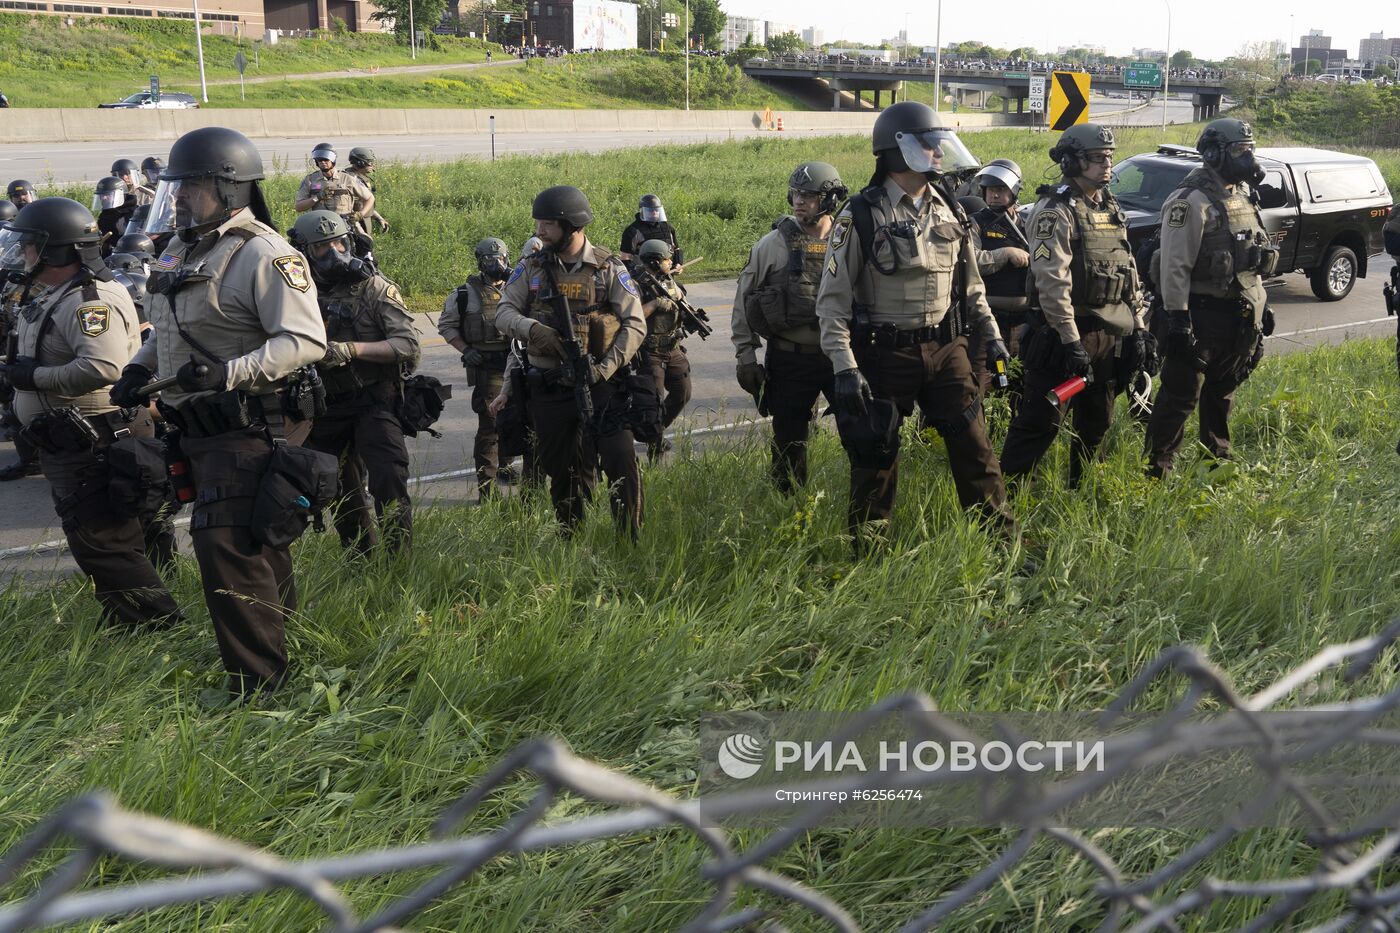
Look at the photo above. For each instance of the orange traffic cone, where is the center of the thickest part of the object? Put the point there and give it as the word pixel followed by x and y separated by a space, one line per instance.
pixel 780 124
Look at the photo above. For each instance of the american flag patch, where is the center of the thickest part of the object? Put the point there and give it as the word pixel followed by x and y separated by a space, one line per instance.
pixel 167 262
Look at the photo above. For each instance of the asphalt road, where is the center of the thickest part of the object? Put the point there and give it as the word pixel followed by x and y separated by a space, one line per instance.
pixel 86 162
pixel 31 540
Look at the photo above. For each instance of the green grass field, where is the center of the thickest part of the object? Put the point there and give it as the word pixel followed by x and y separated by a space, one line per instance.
pixel 412 676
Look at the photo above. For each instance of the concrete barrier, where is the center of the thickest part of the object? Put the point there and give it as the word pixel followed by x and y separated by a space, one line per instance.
pixel 62 125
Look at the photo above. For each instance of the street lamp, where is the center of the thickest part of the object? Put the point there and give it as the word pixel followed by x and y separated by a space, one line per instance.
pixel 199 45
pixel 1167 71
pixel 938 60
pixel 412 36
pixel 688 31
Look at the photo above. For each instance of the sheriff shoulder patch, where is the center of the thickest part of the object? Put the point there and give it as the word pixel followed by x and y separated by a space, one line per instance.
pixel 626 282
pixel 1042 252
pixel 293 272
pixel 1045 224
pixel 838 234
pixel 391 292
pixel 516 272
pixel 1177 213
pixel 93 319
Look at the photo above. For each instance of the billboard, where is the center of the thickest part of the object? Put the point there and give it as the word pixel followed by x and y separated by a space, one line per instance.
pixel 605 24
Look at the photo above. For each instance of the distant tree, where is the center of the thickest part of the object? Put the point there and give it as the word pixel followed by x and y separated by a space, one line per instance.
pixel 1182 59
pixel 788 43
pixel 708 19
pixel 426 14
pixel 1383 71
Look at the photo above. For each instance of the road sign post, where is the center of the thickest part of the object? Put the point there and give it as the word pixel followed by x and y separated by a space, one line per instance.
pixel 155 88
pixel 240 61
pixel 1037 96
pixel 1069 99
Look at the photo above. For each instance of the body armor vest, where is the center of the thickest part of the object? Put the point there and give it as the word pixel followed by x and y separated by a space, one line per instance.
pixel 1235 249
pixel 479 325
pixel 1104 275
pixel 664 325
pixel 349 313
pixel 997 231
pixel 595 323
pixel 911 267
pixel 336 193
pixel 789 299
pixel 35 320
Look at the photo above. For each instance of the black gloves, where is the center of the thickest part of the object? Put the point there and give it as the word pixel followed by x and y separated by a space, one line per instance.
pixel 853 393
pixel 195 376
pixel 471 357
pixel 751 377
pixel 1266 321
pixel 20 373
pixel 1076 359
pixel 127 392
pixel 1145 355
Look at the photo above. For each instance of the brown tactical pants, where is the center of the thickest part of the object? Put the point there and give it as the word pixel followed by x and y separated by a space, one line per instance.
pixel 670 370
pixel 248 587
pixel 1225 342
pixel 569 456
pixel 111 549
pixel 487 383
pixel 939 378
pixel 795 381
pixel 368 440
pixel 1037 421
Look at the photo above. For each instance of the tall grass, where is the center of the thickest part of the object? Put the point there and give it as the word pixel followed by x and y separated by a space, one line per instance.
pixel 414 674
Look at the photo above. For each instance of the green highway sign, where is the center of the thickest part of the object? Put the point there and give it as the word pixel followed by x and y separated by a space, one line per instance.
pixel 1015 74
pixel 1142 74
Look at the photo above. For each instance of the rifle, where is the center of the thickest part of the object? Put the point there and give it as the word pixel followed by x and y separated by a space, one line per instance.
pixel 576 360
pixel 693 320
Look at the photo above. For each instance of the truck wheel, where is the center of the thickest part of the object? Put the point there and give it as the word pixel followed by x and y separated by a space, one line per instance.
pixel 1333 280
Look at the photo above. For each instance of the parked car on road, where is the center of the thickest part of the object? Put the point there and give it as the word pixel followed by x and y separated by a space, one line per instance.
pixel 142 100
pixel 1324 210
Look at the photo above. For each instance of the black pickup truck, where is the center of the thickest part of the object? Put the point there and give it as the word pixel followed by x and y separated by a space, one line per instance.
pixel 1323 209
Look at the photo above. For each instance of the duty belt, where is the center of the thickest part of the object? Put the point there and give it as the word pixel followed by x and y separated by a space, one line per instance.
pixel 1217 303
pixel 889 336
pixel 212 415
pixel 788 346
pixel 65 430
pixel 493 359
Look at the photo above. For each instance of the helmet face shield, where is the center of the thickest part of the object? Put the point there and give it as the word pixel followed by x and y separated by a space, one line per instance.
pixel 184 205
pixel 653 214
pixel 107 200
pixel 934 150
pixel 998 175
pixel 161 217
pixel 12 248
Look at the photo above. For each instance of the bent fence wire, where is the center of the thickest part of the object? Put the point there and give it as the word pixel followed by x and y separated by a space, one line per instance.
pixel 1347 862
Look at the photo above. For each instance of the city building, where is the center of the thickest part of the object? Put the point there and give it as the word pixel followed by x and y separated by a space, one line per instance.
pixel 813 37
pixel 582 24
pixel 1377 49
pixel 1317 47
pixel 772 30
pixel 248 18
pixel 737 29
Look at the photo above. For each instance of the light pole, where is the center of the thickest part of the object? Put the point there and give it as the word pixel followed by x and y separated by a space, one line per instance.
pixel 688 30
pixel 1167 71
pixel 199 46
pixel 938 60
pixel 905 55
pixel 412 36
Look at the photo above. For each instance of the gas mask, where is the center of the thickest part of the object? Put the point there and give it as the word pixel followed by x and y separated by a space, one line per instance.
pixel 494 268
pixel 1239 164
pixel 337 267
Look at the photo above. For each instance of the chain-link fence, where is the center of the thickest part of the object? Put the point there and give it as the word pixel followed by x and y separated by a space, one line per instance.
pixel 1347 863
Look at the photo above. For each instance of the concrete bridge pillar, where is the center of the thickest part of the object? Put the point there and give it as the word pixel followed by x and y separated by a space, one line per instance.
pixel 1205 106
pixel 836 100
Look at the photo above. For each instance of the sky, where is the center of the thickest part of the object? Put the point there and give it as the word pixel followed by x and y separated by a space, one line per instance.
pixel 1208 28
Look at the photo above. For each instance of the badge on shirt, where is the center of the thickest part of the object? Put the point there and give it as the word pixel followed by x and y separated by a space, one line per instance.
pixel 626 281
pixel 1176 214
pixel 293 270
pixel 93 319
pixel 838 234
pixel 1045 225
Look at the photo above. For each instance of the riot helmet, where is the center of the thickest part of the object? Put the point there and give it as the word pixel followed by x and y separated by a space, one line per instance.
pixel 213 172
pixel 655 253
pixel 110 194
pixel 907 138
pixel 20 192
pixel 134 281
pixel 1075 144
pixel 563 203
pixel 8 211
pixel 151 167
pixel 135 243
pixel 123 167
pixel 323 151
pixel 1003 172
pixel 324 238
pixel 126 262
pixel 1227 145
pixel 60 231
pixel 493 259
pixel 818 178
pixel 361 157
pixel 650 211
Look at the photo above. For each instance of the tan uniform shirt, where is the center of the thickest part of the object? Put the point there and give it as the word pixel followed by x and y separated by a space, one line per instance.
pixel 767 261
pixel 512 313
pixel 379 313
pixel 267 323
pixel 1052 259
pixel 342 192
pixel 83 349
pixel 920 291
pixel 1182 231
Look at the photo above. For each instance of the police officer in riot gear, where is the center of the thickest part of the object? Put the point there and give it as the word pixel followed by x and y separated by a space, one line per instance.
pixel 663 355
pixel 76 330
pixel 1002 254
pixel 151 167
pixel 20 192
pixel 236 323
pixel 332 190
pixel 468 324
pixel 362 167
pixel 1085 300
pixel 372 346
pixel 651 224
pixel 899 290
pixel 776 304
pixel 609 326
pixel 113 207
pixel 1210 268
pixel 126 170
pixel 28 463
